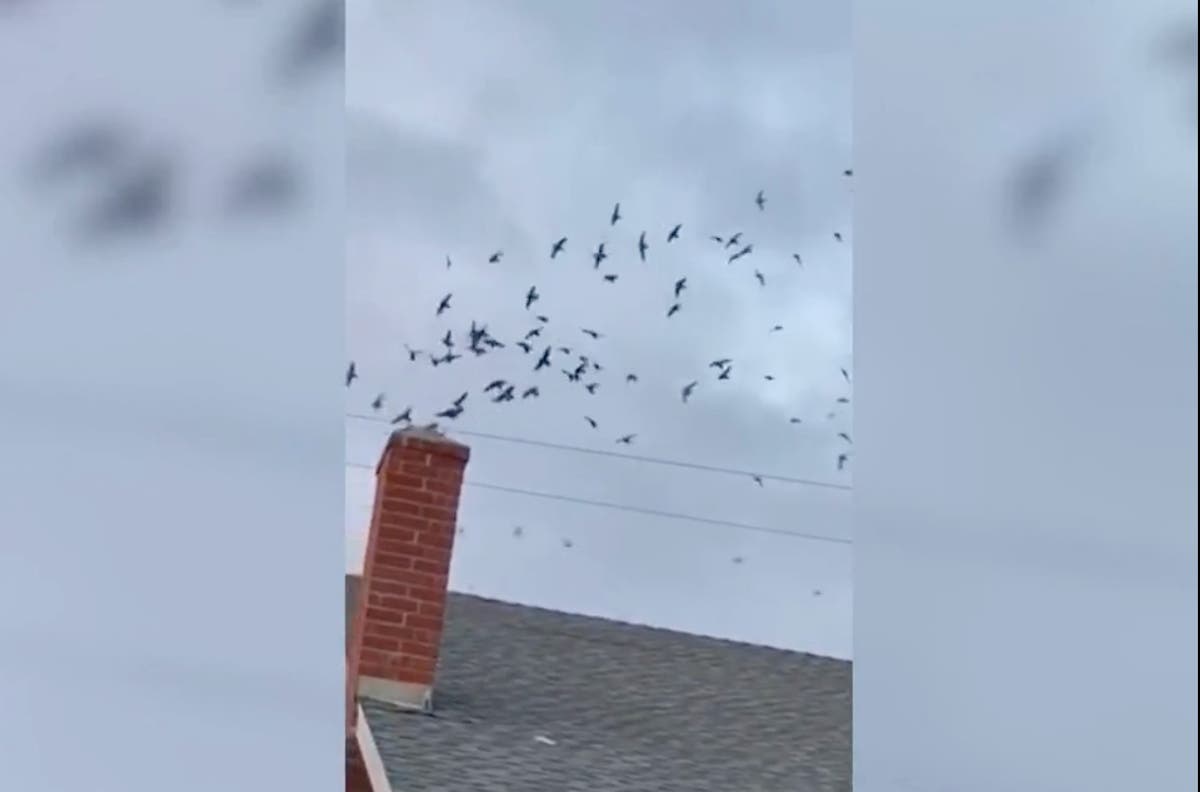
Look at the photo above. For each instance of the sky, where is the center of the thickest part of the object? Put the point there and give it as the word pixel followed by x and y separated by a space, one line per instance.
pixel 481 127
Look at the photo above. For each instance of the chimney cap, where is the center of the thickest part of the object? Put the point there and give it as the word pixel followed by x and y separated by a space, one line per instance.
pixel 427 439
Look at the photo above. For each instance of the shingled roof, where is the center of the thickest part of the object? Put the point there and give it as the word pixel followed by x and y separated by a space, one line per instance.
pixel 532 700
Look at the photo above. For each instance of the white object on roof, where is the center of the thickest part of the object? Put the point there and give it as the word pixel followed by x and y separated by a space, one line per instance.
pixel 544 740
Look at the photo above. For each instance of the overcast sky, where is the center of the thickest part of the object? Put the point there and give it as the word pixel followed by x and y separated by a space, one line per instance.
pixel 477 127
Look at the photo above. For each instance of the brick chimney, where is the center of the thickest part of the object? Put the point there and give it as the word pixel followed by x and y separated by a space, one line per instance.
pixel 401 600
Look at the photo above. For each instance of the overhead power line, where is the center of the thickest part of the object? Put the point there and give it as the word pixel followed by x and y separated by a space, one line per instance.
pixel 643 510
pixel 677 463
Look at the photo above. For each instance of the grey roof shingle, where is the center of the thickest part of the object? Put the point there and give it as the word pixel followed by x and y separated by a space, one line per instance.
pixel 629 708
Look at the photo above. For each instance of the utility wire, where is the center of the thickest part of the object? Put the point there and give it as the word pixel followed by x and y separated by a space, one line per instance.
pixel 619 455
pixel 642 510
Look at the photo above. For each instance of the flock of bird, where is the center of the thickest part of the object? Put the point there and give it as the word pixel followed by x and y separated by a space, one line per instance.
pixel 575 360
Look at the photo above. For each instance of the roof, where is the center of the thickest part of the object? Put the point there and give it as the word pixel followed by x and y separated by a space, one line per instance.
pixel 626 707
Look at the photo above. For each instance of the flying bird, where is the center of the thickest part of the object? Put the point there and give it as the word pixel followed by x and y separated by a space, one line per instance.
pixel 758 276
pixel 776 328
pixel 680 285
pixel 626 439
pixel 525 347
pixel 444 305
pixel 674 309
pixel 845 437
pixel 505 395
pixel 531 297
pixel 542 319
pixel 591 333
pixel 760 201
pixel 724 375
pixel 717 239
pixel 757 480
pixel 448 262
pixel 799 261
pixel 558 247
pixel 517 531
pixel 598 256
pixel 461 398
pixel 733 240
pixel 530 393
pixel 721 363
pixel 543 361
pixel 351 373
pixel 591 387
pixel 534 333
pixel 794 420
pixel 495 257
pixel 837 236
pixel 642 246
pixel 686 393
pixel 565 350
pixel 745 251
pixel 631 377
pixel 611 277
pixel 448 340
pixel 848 172
pixel 845 375
pixel 671 237
pixel 591 421
pixel 377 405
pixel 450 413
pixel 769 377
pixel 403 417
pixel 841 461
pixel 843 400
pixel 494 385
pixel 616 214
pixel 567 543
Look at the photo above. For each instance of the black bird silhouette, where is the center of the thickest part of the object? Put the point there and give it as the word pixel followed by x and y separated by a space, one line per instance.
pixel 598 256
pixel 530 393
pixel 717 239
pixel 680 285
pixel 799 261
pixel 611 277
pixel 843 400
pixel 631 377
pixel 845 437
pixel 795 420
pixel 565 350
pixel 758 276
pixel 848 172
pixel 518 531
pixel 450 413
pixel 724 375
pixel 495 385
pixel 760 201
pixel 758 480
pixel 448 262
pixel 745 251
pixel 591 387
pixel 776 328
pixel 89 146
pixel 642 246
pixel 543 361
pixel 450 357
pixel 567 543
pixel 506 394
pixel 733 240
pixel 403 417
pixel 462 397
pixel 377 405
pixel 841 461
pixel 686 393
pixel 616 214
pixel 448 340
pixel 674 309
pixel 837 236
pixel 320 34
pixel 581 369
pixel 738 560
pixel 596 366
pixel 845 375
pixel 558 247
pixel 542 319
pixel 413 354
pixel 671 237
pixel 531 297
pixel 534 333
pixel 572 376
pixel 140 198
pixel 351 373
pixel 525 347
pixel 444 305
pixel 591 333
pixel 591 421
pixel 720 363
pixel 495 257
pixel 769 377
pixel 626 439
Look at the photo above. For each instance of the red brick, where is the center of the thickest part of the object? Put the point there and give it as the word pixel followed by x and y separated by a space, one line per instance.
pixel 417 649
pixel 423 623
pixel 408 481
pixel 381 588
pixel 442 540
pixel 396 561
pixel 401 499
pixel 429 565
pixel 381 643
pixel 436 610
pixel 396 540
pixel 442 514
pixel 426 595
